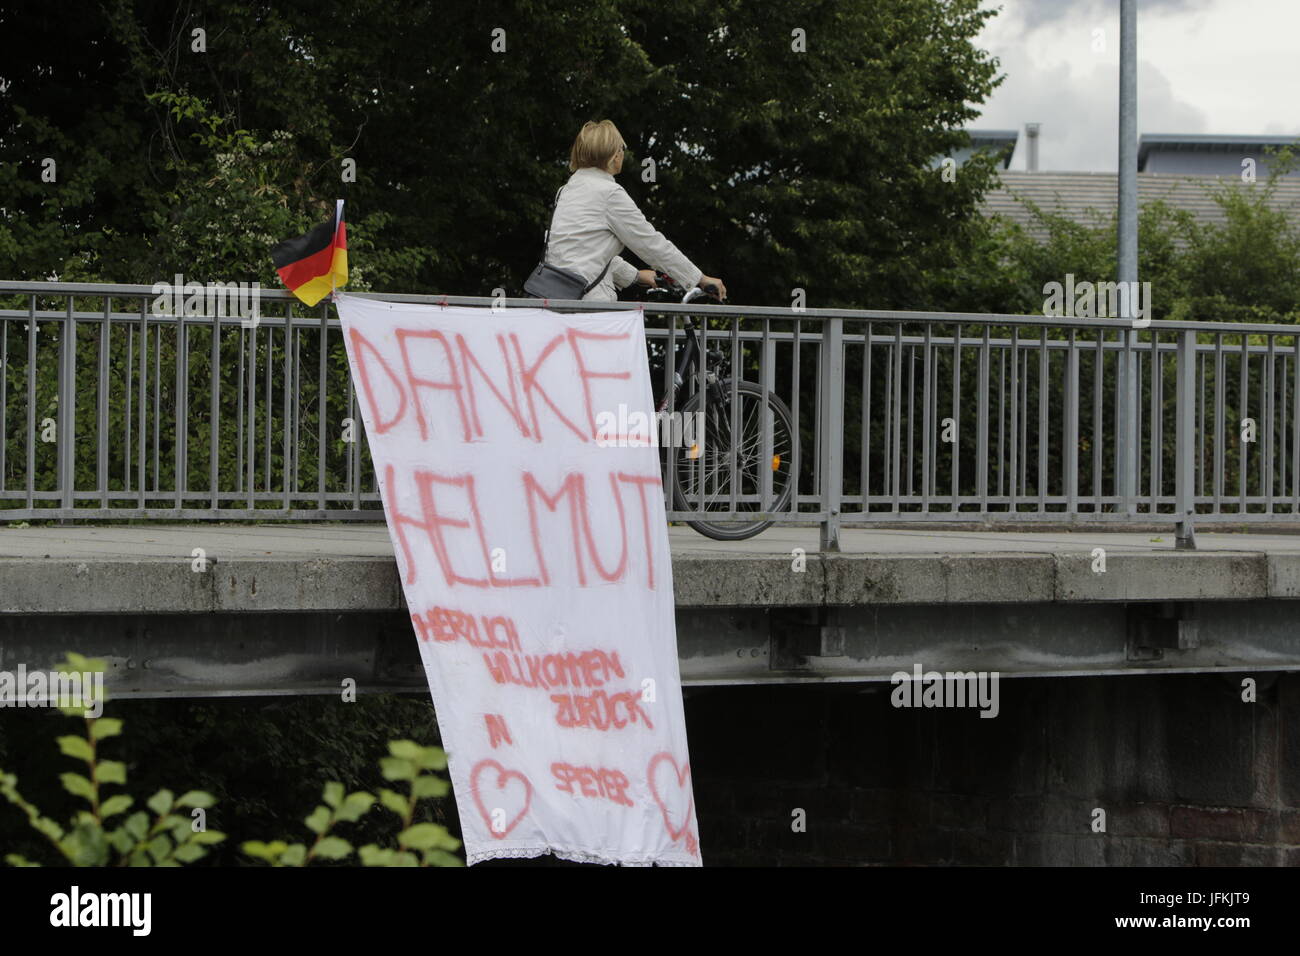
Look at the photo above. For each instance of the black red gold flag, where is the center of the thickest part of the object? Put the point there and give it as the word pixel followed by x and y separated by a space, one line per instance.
pixel 313 265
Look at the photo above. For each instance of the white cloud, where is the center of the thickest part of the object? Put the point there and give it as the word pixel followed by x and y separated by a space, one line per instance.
pixel 1204 66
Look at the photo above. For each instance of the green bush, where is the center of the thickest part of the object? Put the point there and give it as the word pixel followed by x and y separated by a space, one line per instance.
pixel 165 839
pixel 105 833
pixel 418 844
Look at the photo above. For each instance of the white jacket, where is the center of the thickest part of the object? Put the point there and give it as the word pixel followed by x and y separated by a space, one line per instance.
pixel 595 219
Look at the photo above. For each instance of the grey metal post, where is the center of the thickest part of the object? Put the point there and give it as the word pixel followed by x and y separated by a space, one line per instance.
pixel 67 421
pixel 831 465
pixel 1128 262
pixel 1185 441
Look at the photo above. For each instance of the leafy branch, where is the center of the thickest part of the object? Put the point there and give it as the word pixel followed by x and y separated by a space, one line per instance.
pixel 418 844
pixel 169 839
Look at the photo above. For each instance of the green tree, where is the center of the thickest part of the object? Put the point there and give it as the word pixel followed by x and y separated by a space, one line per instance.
pixel 792 141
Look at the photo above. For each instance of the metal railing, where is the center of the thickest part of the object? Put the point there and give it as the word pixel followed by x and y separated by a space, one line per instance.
pixel 110 411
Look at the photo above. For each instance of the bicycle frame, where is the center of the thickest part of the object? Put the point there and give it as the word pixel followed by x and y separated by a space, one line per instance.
pixel 714 406
pixel 689 354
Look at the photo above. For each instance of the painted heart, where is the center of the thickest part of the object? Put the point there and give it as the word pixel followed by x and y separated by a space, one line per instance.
pixel 675 791
pixel 497 779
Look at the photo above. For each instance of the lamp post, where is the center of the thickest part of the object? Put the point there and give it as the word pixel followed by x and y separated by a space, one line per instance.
pixel 1128 250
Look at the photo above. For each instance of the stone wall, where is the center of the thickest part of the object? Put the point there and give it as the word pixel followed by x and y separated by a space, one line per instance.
pixel 1187 773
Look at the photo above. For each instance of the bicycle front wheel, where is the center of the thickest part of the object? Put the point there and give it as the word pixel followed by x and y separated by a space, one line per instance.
pixel 727 468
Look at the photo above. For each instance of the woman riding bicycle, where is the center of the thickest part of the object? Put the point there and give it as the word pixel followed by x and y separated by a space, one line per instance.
pixel 595 219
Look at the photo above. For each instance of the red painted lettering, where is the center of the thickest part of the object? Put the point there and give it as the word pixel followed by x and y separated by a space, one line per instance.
pixel 416 383
pixel 586 375
pixel 528 381
pixel 598 782
pixel 580 526
pixel 588 669
pixel 600 710
pixel 512 405
pixel 360 345
pixel 432 522
pixel 641 483
pixel 497 730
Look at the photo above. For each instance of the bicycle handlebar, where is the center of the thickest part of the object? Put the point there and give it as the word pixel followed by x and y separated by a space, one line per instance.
pixel 668 284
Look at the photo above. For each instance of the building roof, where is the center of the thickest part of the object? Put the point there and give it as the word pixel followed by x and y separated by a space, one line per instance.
pixel 1206 143
pixel 1091 197
pixel 1002 142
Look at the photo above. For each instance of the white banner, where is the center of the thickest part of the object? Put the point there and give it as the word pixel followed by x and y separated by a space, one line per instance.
pixel 528 521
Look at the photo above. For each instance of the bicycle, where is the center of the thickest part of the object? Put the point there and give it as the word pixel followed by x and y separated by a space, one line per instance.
pixel 730 465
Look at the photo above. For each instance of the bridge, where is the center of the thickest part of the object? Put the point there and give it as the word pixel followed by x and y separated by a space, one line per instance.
pixel 298 609
pixel 189 497
pixel 987 492
pixel 111 409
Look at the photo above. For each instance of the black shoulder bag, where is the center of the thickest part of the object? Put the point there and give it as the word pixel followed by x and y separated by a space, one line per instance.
pixel 549 282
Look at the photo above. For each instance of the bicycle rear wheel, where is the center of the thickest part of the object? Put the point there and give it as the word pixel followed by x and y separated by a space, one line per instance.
pixel 726 475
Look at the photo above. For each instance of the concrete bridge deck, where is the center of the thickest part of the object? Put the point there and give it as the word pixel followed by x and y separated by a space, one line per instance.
pixel 296 608
pixel 349 567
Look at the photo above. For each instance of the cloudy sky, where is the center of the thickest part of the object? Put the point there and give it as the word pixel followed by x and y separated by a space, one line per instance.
pixel 1204 66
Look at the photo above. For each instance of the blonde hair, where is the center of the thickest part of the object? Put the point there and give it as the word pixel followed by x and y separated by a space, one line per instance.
pixel 596 145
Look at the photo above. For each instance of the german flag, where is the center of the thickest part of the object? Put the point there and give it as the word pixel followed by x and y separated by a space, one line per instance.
pixel 313 265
